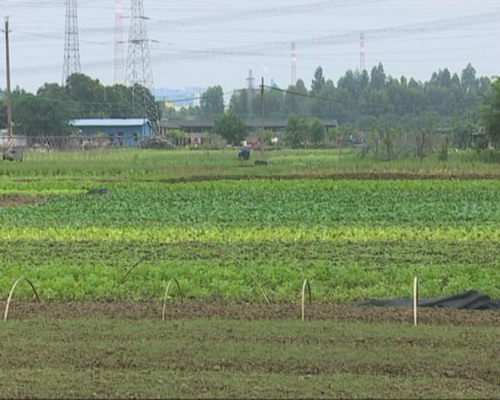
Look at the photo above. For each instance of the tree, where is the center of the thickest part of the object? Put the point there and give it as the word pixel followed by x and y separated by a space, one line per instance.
pixel 297 131
pixel 318 81
pixel 468 77
pixel 212 102
pixel 231 128
pixel 317 132
pixel 378 77
pixel 490 112
pixel 90 93
pixel 34 116
pixel 119 102
pixel 239 103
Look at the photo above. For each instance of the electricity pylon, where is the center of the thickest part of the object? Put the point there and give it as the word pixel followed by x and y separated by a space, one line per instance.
pixel 139 71
pixel 71 43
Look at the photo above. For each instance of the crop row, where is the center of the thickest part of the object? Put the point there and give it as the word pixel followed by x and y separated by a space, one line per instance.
pixel 367 254
pixel 165 234
pixel 207 280
pixel 351 239
pixel 343 271
pixel 265 203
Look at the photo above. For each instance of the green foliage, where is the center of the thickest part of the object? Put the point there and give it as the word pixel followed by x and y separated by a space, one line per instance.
pixel 297 131
pixel 354 238
pixel 361 97
pixel 212 102
pixel 173 134
pixel 318 132
pixel 318 82
pixel 266 137
pixel 33 116
pixel 231 128
pixel 491 112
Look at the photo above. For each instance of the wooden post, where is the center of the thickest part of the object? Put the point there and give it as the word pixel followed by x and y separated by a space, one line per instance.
pixel 262 108
pixel 415 300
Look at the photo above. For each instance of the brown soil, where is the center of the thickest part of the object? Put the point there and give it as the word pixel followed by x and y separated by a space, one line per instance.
pixel 337 176
pixel 333 176
pixel 248 311
pixel 15 200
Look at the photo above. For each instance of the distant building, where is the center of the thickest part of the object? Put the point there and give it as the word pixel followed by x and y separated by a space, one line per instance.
pixel 203 126
pixel 177 98
pixel 120 131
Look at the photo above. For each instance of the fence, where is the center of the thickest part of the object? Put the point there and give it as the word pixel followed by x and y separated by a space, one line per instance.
pixel 46 143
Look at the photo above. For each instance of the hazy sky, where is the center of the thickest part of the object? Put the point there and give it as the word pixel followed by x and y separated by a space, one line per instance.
pixel 209 42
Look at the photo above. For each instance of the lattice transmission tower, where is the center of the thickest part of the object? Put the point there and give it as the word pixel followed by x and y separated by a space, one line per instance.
pixel 71 44
pixel 139 70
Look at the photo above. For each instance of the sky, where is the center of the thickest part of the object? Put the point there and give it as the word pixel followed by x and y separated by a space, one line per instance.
pixel 202 43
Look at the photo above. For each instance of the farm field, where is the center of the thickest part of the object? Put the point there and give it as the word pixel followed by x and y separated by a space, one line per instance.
pixel 153 165
pixel 97 357
pixel 352 239
pixel 229 232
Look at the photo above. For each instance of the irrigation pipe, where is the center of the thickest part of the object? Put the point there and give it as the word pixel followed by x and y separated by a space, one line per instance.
pixel 166 296
pixel 304 286
pixel 6 313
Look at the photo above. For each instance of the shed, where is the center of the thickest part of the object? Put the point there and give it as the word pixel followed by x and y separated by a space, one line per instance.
pixel 121 131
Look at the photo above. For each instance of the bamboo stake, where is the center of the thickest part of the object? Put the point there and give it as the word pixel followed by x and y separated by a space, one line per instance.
pixel 133 266
pixel 166 296
pixel 304 285
pixel 246 270
pixel 221 252
pixel 415 300
pixel 6 313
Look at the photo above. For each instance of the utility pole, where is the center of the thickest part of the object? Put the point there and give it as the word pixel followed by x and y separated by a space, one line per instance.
pixel 8 97
pixel 262 109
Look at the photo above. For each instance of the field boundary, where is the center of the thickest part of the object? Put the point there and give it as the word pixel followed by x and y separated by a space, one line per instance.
pixel 336 176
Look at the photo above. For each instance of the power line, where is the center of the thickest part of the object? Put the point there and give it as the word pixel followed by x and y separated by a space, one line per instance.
pixel 347 102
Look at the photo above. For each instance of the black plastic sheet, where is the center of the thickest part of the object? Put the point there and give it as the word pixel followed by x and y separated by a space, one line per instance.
pixel 469 300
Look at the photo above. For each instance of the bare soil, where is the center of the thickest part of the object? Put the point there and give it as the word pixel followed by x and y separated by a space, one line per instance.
pixel 16 200
pixel 249 311
pixel 306 175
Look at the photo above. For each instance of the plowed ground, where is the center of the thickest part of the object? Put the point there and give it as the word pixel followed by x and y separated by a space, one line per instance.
pixel 216 350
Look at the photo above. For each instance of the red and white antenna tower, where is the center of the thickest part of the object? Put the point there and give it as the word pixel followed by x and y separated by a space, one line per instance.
pixel 294 64
pixel 119 61
pixel 362 51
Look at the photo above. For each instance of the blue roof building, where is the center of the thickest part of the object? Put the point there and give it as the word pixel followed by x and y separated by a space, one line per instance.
pixel 121 131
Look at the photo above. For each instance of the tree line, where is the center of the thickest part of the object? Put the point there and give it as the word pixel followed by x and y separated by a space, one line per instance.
pixel 359 101
pixel 48 112
pixel 368 100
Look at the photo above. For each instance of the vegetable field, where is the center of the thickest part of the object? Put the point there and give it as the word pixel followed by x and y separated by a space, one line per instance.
pixel 352 239
pixel 230 233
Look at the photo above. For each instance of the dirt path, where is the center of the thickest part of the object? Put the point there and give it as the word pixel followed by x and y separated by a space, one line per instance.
pixel 15 200
pixel 246 311
pixel 326 176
